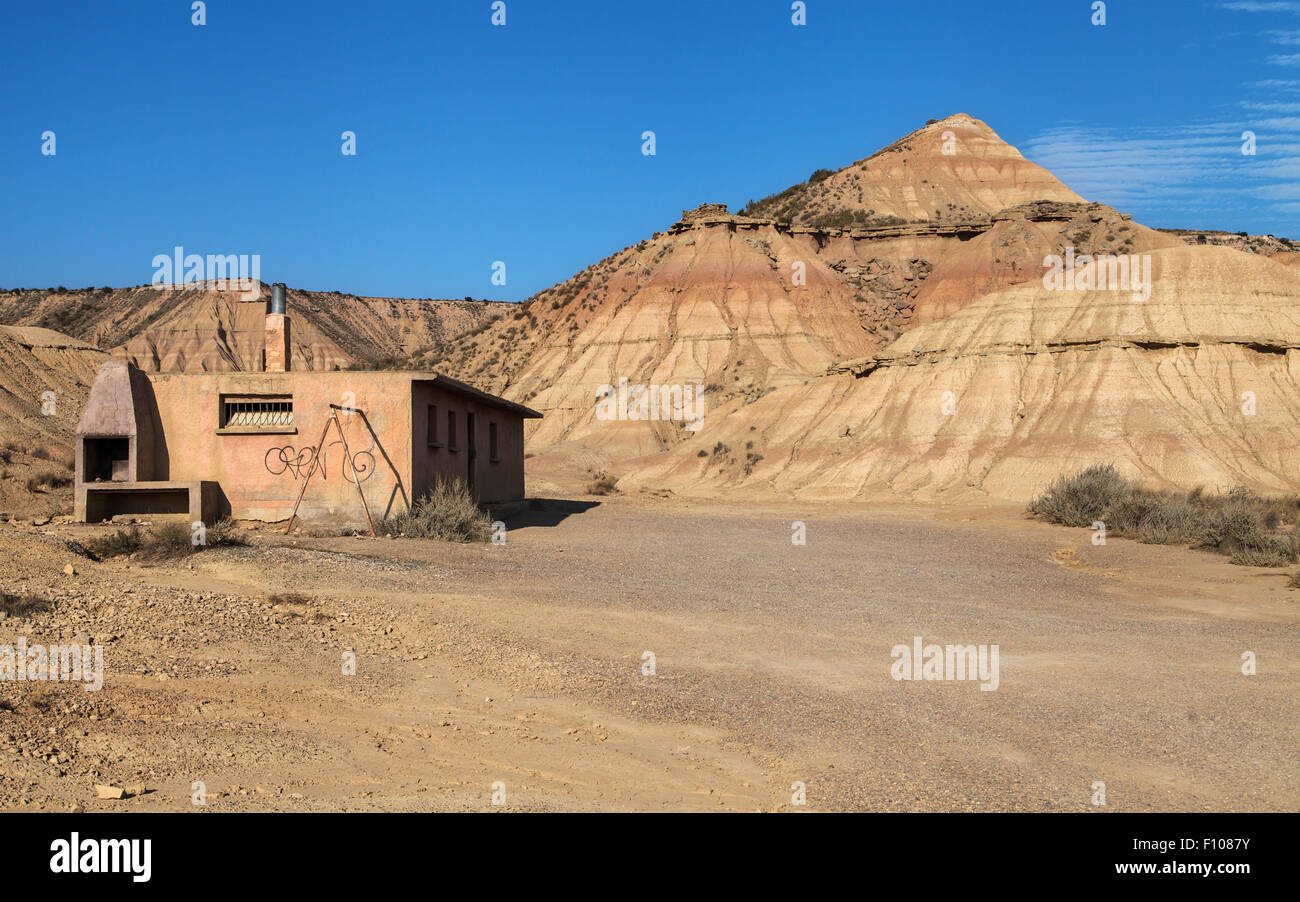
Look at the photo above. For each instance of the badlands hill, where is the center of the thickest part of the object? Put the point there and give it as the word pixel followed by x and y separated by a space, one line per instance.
pixel 880 330
pixel 1195 386
pixel 952 169
pixel 203 329
pixel 34 361
pixel 745 306
pixel 715 301
pixel 830 384
pixel 44 380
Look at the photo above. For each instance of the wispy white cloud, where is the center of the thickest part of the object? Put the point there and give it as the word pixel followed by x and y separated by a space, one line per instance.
pixel 1196 171
pixel 1262 6
pixel 1288 106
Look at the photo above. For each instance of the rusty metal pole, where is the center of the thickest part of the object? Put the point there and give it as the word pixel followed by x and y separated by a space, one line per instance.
pixel 320 449
pixel 357 482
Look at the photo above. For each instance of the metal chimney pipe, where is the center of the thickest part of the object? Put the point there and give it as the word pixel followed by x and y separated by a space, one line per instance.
pixel 277 298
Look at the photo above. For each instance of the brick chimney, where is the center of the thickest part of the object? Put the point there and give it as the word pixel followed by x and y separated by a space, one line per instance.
pixel 278 352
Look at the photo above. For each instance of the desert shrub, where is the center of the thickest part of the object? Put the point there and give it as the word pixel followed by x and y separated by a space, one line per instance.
pixel 1082 499
pixel 447 512
pixel 6 455
pixel 1268 551
pixel 1172 520
pixel 22 605
pixel 1156 518
pixel 224 532
pixel 294 598
pixel 1251 530
pixel 165 541
pixel 1294 581
pixel 602 483
pixel 47 479
pixel 40 452
pixel 1245 527
pixel 117 543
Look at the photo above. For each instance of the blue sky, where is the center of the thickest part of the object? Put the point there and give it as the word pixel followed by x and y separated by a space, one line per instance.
pixel 522 143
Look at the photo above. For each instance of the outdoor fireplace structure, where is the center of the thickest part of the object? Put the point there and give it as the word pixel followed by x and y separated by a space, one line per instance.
pixel 241 444
pixel 121 466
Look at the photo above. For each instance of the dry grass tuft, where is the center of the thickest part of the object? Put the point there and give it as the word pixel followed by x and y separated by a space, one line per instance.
pixel 602 483
pixel 23 605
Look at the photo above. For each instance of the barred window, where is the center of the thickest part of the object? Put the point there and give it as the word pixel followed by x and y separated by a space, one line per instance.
pixel 257 412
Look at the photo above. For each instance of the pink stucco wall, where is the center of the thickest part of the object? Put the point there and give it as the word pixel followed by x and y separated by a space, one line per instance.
pixel 494 480
pixel 261 473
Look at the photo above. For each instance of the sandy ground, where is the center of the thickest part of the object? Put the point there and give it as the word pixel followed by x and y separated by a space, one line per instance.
pixel 522 666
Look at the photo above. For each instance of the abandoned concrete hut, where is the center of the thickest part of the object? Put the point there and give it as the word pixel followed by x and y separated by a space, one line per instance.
pixel 240 444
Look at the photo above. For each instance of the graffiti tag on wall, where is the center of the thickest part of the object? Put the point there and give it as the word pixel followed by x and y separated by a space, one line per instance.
pixel 299 462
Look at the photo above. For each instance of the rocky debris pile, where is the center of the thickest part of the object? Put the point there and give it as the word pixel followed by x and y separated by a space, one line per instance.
pixel 1266 245
pixel 887 292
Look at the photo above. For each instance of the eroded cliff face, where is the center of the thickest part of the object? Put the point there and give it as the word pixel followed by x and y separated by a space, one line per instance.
pixel 745 306
pixel 711 306
pixel 1198 385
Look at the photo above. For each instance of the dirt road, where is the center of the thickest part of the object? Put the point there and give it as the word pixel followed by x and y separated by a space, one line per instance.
pixel 519 671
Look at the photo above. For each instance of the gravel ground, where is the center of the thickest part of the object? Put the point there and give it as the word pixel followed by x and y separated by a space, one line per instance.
pixel 519 669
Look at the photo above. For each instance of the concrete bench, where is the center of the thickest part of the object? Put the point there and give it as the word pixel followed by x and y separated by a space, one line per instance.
pixel 99 501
